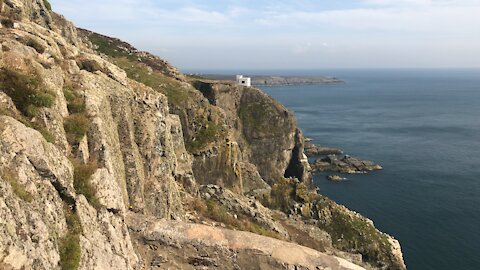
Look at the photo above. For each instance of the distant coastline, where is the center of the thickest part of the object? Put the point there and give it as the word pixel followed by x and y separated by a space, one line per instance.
pixel 265 80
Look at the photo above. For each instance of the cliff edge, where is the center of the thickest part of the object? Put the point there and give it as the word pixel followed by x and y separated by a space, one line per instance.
pixel 110 158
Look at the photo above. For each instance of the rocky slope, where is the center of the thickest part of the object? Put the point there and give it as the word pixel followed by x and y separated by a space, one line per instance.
pixel 95 134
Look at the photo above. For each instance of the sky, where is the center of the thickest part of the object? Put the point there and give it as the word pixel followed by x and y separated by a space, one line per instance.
pixel 290 34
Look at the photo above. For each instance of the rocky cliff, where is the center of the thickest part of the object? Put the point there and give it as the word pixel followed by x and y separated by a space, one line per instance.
pixel 101 145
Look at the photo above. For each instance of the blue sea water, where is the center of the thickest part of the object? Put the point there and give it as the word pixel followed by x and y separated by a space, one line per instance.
pixel 423 127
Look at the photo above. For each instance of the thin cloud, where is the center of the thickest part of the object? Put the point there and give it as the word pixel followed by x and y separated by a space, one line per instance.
pixel 285 32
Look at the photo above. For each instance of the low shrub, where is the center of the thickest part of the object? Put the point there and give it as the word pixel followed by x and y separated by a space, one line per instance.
pixel 81 181
pixel 69 246
pixel 45 133
pixel 47 5
pixel 75 102
pixel 217 212
pixel 198 205
pixel 70 252
pixel 17 188
pixel 24 90
pixel 286 192
pixel 7 23
pixel 90 66
pixel 76 127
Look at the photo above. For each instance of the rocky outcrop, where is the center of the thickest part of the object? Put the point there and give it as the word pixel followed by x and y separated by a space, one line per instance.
pixel 242 206
pixel 36 186
pixel 177 245
pixel 350 230
pixel 28 11
pixel 259 125
pixel 96 135
pixel 313 150
pixel 132 145
pixel 345 164
pixel 336 178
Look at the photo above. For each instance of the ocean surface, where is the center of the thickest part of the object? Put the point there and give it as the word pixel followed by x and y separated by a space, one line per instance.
pixel 423 127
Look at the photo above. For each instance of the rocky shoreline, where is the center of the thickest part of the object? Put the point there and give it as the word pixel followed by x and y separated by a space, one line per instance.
pixel 116 160
pixel 329 159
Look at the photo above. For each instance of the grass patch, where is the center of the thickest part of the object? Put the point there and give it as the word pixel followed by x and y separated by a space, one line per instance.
pixel 75 102
pixel 47 5
pixel 77 124
pixel 81 181
pixel 110 47
pixel 133 65
pixel 76 127
pixel 17 188
pixel 45 133
pixel 176 94
pixel 69 246
pixel 25 92
pixel 217 212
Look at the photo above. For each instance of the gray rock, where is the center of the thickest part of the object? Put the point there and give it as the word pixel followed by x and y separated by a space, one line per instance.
pixel 345 164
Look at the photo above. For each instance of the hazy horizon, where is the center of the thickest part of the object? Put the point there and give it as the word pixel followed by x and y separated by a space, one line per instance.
pixel 286 35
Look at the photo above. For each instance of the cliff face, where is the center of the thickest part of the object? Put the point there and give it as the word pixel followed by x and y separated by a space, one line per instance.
pixel 93 131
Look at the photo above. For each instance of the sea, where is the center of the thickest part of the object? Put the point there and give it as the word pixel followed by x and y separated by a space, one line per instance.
pixel 423 127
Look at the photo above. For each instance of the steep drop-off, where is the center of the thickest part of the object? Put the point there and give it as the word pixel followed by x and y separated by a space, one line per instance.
pixel 101 145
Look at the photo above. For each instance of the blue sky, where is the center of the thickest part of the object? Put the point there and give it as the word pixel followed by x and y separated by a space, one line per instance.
pixel 296 34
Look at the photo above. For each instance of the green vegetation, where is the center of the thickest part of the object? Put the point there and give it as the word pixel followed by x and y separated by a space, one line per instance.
pixel 139 72
pixel 7 23
pixel 17 188
pixel 354 234
pixel 75 102
pixel 47 5
pixel 76 127
pixel 25 92
pixel 77 124
pixel 69 246
pixel 253 115
pixel 286 192
pixel 208 133
pixel 36 45
pixel 81 181
pixel 349 232
pixel 46 135
pixel 217 212
pixel 150 74
pixel 110 47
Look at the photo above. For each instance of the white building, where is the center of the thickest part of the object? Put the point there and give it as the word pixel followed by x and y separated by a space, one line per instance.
pixel 245 81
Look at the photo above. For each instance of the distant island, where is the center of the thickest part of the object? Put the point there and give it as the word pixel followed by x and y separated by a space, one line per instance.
pixel 265 80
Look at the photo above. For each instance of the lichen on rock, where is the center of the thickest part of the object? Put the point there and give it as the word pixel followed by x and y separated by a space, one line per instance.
pixel 107 144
